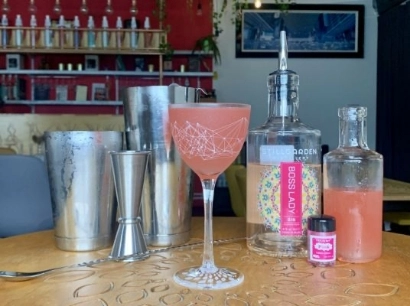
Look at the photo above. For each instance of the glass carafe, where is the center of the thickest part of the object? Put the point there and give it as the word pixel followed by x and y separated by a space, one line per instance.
pixel 353 189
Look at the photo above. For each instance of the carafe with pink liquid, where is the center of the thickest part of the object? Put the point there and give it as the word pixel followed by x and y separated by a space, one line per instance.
pixel 353 189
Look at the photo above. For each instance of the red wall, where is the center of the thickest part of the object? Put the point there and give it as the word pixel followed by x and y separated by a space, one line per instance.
pixel 185 28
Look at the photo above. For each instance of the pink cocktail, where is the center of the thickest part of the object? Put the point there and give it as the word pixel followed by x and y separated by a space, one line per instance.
pixel 353 210
pixel 209 136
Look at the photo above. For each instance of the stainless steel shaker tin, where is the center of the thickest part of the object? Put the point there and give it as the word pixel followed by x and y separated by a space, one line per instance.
pixel 82 188
pixel 167 194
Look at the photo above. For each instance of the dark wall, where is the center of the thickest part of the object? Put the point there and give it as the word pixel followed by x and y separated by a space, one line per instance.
pixel 382 6
pixel 393 92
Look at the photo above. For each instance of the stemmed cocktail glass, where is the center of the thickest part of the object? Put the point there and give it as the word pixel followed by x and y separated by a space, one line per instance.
pixel 209 136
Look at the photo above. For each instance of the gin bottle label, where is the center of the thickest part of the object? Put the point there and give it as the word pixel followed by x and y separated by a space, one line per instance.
pixel 288 193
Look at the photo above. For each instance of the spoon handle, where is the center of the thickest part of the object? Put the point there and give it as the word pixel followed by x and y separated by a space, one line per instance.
pixel 24 276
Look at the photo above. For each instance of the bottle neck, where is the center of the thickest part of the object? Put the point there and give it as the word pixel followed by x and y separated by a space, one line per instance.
pixel 353 132
pixel 283 99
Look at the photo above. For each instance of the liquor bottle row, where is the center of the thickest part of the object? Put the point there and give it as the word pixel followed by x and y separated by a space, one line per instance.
pixel 69 35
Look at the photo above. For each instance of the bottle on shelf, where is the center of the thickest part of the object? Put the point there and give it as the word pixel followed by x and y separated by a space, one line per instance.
pixel 134 34
pixel 283 170
pixel 33 32
pixel 76 33
pixel 61 32
pixel 4 32
pixel 107 88
pixel 18 32
pixel 119 33
pixel 353 189
pixel 147 35
pixel 104 33
pixel 48 34
pixel 91 32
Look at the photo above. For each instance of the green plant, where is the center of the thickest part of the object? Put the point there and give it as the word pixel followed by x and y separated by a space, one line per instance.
pixel 167 49
pixel 237 6
pixel 208 44
pixel 283 4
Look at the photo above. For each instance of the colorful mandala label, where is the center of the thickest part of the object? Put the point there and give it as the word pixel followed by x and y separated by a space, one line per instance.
pixel 270 195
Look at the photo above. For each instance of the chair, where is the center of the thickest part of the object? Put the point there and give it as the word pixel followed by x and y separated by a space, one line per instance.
pixel 25 200
pixel 7 151
pixel 237 193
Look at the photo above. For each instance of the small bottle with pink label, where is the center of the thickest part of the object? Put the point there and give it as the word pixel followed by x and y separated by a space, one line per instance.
pixel 322 240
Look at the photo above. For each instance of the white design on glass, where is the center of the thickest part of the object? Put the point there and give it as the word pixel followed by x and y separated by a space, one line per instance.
pixel 196 140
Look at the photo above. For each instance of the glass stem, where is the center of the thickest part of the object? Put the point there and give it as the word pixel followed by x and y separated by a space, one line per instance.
pixel 208 266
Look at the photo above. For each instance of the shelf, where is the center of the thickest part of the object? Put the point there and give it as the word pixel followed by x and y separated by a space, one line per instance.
pixel 189 52
pixel 74 73
pixel 188 74
pixel 94 51
pixel 71 102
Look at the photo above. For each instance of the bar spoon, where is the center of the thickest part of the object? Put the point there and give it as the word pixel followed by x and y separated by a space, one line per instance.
pixel 16 276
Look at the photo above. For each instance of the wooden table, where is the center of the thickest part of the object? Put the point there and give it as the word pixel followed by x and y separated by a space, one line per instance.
pixel 268 281
pixel 394 190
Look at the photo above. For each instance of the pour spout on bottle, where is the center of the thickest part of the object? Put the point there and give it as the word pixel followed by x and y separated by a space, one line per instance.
pixel 283 52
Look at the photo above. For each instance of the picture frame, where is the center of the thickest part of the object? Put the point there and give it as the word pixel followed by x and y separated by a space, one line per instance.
pixel 61 92
pixel 313 31
pixel 98 92
pixel 91 63
pixel 194 64
pixel 139 64
pixel 81 92
pixel 14 62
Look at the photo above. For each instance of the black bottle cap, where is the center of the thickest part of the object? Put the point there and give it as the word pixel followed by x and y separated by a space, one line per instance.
pixel 322 223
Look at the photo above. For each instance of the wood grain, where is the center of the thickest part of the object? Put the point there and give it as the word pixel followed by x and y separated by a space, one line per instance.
pixel 268 280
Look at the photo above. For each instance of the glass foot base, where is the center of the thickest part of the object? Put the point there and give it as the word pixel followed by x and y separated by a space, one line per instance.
pixel 198 278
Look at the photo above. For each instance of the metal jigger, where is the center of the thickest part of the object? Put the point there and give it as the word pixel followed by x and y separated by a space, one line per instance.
pixel 129 171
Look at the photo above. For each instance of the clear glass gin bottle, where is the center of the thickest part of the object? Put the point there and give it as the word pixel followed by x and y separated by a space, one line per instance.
pixel 283 171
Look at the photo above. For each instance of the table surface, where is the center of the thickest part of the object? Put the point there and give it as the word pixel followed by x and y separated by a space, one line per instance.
pixel 394 190
pixel 268 280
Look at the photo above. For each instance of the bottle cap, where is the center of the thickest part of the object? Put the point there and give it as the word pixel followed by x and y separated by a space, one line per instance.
pixel 321 223
pixel 33 21
pixel 47 22
pixel 119 23
pixel 4 21
pixel 90 22
pixel 18 22
pixel 61 22
pixel 104 22
pixel 147 24
pixel 76 22
pixel 133 22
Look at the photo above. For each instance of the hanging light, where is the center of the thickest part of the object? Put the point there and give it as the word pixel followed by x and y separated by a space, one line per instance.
pixel 84 7
pixel 199 8
pixel 5 8
pixel 108 9
pixel 133 8
pixel 57 7
pixel 258 3
pixel 32 8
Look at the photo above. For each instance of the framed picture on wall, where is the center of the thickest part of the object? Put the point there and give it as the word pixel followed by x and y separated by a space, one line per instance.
pixel 139 64
pixel 91 62
pixel 194 64
pixel 62 92
pixel 312 30
pixel 14 62
pixel 99 92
